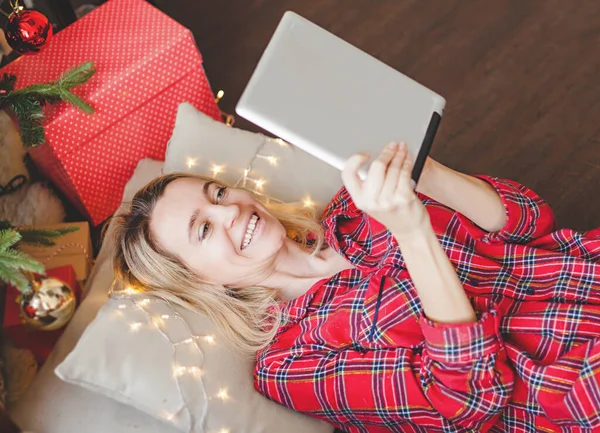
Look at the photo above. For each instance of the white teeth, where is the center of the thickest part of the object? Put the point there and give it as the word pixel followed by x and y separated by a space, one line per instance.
pixel 249 231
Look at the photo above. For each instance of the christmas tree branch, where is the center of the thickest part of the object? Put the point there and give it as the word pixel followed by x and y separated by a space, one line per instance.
pixel 44 237
pixel 30 117
pixel 53 92
pixel 8 239
pixel 14 277
pixel 14 263
pixel 27 103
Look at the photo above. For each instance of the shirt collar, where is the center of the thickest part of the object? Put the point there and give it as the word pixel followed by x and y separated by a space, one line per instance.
pixel 341 205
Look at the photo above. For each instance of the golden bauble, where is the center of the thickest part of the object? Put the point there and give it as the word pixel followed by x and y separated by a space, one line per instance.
pixel 49 305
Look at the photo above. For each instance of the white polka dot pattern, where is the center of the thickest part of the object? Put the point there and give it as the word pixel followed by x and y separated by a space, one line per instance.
pixel 146 65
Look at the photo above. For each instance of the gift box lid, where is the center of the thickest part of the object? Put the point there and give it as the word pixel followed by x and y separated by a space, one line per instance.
pixel 138 52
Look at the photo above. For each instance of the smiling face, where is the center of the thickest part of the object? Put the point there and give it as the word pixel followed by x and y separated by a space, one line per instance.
pixel 222 234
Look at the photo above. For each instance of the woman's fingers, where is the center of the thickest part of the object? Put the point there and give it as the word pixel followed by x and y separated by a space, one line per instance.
pixel 390 184
pixel 405 184
pixel 378 170
pixel 389 179
pixel 350 176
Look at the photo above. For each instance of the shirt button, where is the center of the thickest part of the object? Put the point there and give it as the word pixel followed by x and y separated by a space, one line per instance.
pixel 359 348
pixel 474 282
pixel 530 291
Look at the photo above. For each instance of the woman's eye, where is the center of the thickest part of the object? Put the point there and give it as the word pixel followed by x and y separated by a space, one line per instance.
pixel 204 229
pixel 221 193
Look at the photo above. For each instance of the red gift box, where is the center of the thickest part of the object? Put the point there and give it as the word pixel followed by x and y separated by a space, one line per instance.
pixel 147 64
pixel 40 343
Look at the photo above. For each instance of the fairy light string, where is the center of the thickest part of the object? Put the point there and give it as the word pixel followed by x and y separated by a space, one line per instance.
pixel 248 179
pixel 162 317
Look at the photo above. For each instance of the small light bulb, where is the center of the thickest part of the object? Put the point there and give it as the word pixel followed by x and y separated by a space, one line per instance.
pixel 280 142
pixel 220 95
pixel 165 316
pixel 272 160
pixel 224 430
pixel 222 394
pixel 216 169
pixel 122 306
pixel 191 162
pixel 260 183
pixel 195 371
pixel 168 416
pixel 210 339
pixel 308 202
pixel 130 290
pixel 158 321
pixel 144 302
pixel 179 370
pixel 135 326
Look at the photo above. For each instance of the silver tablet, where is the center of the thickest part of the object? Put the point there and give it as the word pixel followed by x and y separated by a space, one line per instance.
pixel 333 100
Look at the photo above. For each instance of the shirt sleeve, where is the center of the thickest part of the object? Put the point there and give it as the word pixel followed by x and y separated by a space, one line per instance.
pixel 467 361
pixel 462 377
pixel 528 215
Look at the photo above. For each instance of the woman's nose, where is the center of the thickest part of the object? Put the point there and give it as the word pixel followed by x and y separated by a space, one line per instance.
pixel 228 213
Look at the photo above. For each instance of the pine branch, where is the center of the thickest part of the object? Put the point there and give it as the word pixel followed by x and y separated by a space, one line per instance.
pixel 8 238
pixel 14 277
pixel 44 237
pixel 77 76
pixel 30 117
pixel 27 102
pixel 16 259
pixel 76 101
pixel 53 92
pixel 13 262
pixel 7 83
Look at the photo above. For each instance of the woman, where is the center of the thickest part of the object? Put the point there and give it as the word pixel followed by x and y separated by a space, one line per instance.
pixel 455 310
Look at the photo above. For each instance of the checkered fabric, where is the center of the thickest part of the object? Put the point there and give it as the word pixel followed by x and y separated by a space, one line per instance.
pixel 356 350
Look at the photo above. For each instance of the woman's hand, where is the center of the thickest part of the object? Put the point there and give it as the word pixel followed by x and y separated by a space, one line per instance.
pixel 387 194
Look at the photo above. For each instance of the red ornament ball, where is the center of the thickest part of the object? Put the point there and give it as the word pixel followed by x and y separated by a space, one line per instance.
pixel 28 31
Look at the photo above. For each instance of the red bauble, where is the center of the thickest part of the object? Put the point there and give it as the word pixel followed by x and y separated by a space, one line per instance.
pixel 28 31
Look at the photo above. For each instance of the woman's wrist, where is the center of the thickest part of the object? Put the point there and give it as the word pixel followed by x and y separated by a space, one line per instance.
pixel 417 233
pixel 427 181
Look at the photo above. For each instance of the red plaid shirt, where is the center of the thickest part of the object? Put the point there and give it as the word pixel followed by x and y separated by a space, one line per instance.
pixel 357 351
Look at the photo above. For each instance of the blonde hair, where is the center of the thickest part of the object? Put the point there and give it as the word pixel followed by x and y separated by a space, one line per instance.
pixel 248 316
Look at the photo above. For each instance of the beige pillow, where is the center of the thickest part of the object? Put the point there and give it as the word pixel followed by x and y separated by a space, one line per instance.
pixel 274 168
pixel 172 364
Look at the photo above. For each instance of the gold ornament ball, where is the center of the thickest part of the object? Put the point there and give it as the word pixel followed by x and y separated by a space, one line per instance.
pixel 49 305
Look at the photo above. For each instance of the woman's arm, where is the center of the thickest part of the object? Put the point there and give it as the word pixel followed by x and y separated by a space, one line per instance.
pixel 462 377
pixel 474 198
pixel 442 296
pixel 387 195
pixel 492 210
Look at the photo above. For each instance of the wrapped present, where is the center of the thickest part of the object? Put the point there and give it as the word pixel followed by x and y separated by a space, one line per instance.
pixel 147 64
pixel 39 342
pixel 73 249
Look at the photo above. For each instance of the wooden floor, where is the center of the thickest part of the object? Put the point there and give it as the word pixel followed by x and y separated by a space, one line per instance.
pixel 522 78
